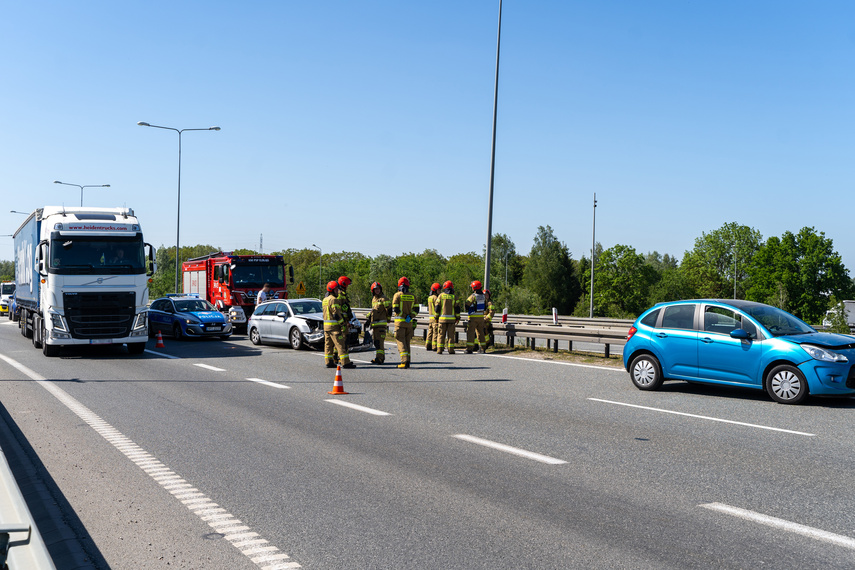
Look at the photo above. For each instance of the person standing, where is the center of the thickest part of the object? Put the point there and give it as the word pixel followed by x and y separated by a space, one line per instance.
pixel 333 335
pixel 433 323
pixel 378 318
pixel 263 295
pixel 405 309
pixel 448 315
pixel 475 305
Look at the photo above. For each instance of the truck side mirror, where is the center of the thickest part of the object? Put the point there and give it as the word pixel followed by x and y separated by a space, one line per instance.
pixel 152 264
pixel 41 253
pixel 291 273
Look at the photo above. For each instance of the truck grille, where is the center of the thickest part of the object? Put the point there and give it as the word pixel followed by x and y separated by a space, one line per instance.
pixel 99 315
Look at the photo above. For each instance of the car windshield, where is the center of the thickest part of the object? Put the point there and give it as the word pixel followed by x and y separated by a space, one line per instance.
pixel 8 288
pixel 96 255
pixel 193 305
pixel 306 307
pixel 256 275
pixel 778 322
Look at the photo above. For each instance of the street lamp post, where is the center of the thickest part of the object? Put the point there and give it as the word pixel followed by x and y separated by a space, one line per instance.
pixel 82 187
pixel 493 157
pixel 320 274
pixel 178 209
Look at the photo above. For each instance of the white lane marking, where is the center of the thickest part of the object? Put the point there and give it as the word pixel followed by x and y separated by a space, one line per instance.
pixel 509 449
pixel 197 502
pixel 782 524
pixel 358 407
pixel 704 417
pixel 209 367
pixel 613 369
pixel 163 355
pixel 266 383
pixel 10 322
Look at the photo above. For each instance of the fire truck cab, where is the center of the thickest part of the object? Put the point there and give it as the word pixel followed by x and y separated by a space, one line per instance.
pixel 231 282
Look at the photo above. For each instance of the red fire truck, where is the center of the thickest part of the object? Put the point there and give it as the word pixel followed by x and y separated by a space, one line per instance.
pixel 232 282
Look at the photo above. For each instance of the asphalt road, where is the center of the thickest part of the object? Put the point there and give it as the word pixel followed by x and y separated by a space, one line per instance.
pixel 220 454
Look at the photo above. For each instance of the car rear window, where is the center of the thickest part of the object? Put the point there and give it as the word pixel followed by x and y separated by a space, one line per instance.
pixel 650 318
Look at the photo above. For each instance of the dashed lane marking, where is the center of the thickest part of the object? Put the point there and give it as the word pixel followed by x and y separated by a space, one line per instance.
pixel 271 384
pixel 358 407
pixel 209 367
pixel 241 536
pixel 509 449
pixel 782 524
pixel 703 417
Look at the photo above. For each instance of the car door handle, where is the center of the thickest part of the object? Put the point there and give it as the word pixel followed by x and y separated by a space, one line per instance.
pixel 662 335
pixel 706 340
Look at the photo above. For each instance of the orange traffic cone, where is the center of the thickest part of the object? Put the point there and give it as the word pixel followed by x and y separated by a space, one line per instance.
pixel 159 341
pixel 338 385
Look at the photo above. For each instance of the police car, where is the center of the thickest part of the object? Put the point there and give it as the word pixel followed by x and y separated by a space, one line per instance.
pixel 187 316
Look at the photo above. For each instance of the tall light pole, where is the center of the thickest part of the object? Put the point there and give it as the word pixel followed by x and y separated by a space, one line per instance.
pixel 178 209
pixel 593 252
pixel 320 274
pixel 82 187
pixel 493 157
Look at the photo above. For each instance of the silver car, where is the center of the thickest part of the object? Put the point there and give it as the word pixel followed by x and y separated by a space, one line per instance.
pixel 296 322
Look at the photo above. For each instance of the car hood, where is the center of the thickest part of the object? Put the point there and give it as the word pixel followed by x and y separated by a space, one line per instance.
pixel 824 339
pixel 311 316
pixel 207 316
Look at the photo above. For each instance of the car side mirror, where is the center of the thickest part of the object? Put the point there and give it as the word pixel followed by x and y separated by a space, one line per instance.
pixel 741 334
pixel 283 315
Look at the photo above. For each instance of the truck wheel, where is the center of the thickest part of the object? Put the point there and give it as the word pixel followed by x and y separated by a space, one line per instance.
pixel 38 332
pixel 49 350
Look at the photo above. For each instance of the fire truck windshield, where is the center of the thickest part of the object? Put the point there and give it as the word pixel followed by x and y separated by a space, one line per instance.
pixel 96 255
pixel 256 275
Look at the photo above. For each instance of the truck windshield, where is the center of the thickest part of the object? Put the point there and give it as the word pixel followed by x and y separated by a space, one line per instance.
pixel 256 275
pixel 7 289
pixel 96 255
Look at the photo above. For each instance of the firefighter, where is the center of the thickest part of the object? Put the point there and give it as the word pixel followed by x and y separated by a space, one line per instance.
pixel 333 323
pixel 378 319
pixel 488 318
pixel 405 309
pixel 433 323
pixel 475 305
pixel 448 315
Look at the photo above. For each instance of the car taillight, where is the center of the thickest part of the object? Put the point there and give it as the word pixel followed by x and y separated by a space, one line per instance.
pixel 632 331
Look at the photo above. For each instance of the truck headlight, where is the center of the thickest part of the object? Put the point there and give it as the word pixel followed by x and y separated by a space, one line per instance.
pixel 57 322
pixel 140 321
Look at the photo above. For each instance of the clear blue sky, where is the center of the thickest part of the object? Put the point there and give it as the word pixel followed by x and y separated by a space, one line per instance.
pixel 365 126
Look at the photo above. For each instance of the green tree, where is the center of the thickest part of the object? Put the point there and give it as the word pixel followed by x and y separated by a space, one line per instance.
pixel 621 282
pixel 550 273
pixel 719 258
pixel 799 273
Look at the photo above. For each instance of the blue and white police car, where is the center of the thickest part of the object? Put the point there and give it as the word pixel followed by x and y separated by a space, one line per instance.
pixel 187 316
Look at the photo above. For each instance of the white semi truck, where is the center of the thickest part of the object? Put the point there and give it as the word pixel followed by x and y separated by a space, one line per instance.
pixel 82 278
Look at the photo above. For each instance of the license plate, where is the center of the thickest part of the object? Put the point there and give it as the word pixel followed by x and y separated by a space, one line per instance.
pixel 213 328
pixel 100 341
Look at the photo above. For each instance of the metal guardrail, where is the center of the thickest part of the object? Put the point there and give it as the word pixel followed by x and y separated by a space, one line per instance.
pixel 607 332
pixel 21 545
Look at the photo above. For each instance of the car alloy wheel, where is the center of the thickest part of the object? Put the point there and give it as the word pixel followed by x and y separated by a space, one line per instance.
pixel 254 337
pixel 645 372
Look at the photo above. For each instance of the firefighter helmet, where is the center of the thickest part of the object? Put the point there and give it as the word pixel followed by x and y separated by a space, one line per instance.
pixel 375 285
pixel 332 286
pixel 487 292
pixel 476 285
pixel 344 281
pixel 434 288
pixel 448 285
pixel 403 281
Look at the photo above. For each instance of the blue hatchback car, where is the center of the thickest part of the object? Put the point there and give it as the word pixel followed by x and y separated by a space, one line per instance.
pixel 738 343
pixel 185 316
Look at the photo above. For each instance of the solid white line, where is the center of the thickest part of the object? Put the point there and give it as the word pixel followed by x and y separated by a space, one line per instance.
pixel 209 367
pixel 782 524
pixel 704 417
pixel 187 496
pixel 266 383
pixel 509 449
pixel 163 355
pixel 358 407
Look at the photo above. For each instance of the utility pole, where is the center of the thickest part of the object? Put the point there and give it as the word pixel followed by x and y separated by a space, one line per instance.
pixel 593 252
